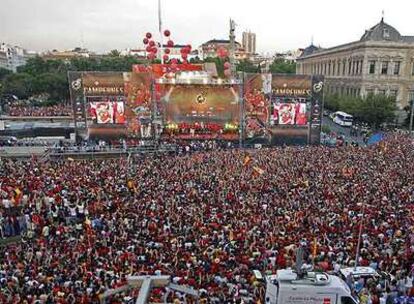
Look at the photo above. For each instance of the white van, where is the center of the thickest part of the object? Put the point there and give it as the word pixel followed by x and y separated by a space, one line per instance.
pixel 313 288
pixel 342 119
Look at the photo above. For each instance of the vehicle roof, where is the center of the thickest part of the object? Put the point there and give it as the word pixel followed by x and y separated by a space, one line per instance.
pixel 359 271
pixel 287 278
pixel 342 113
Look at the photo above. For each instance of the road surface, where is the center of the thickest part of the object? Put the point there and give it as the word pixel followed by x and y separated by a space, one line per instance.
pixel 345 131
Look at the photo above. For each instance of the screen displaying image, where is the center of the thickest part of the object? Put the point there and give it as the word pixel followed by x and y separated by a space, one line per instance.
pixel 290 113
pixel 107 112
pixel 201 103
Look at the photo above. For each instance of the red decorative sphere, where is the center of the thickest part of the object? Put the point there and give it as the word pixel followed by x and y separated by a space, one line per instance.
pixel 170 43
pixel 145 40
pixel 184 56
pixel 152 43
pixel 174 61
pixel 148 35
pixel 167 51
pixel 148 48
pixel 154 50
pixel 167 33
pixel 165 57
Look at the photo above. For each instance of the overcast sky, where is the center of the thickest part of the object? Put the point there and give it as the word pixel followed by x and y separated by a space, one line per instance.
pixel 103 25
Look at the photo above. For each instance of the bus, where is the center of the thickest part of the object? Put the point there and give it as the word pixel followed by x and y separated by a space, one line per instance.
pixel 342 119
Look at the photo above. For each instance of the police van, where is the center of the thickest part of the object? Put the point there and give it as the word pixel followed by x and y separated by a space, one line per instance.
pixel 287 287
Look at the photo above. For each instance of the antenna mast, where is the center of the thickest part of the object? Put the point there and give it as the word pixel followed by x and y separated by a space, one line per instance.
pixel 232 47
pixel 161 48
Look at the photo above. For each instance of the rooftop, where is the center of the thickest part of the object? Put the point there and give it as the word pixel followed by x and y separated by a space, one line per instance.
pixel 381 32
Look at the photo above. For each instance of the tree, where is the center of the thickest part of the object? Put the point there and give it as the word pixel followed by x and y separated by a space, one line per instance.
pixel 377 109
pixel 19 84
pixel 114 53
pixel 4 73
pixel 282 66
pixel 247 66
pixel 196 60
pixel 219 64
pixel 373 109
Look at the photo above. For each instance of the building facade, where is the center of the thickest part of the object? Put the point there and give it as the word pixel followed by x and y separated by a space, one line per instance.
pixel 249 42
pixel 4 62
pixel 16 56
pixel 211 48
pixel 381 62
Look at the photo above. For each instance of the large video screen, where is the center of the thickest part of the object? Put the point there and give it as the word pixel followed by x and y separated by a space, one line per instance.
pixel 290 109
pixel 256 90
pixel 107 112
pixel 201 104
pixel 290 113
pixel 138 103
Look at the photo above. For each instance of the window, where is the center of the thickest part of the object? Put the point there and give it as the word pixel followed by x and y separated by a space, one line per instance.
pixel 397 66
pixel 393 93
pixel 372 66
pixel 384 68
pixel 411 96
pixel 369 91
pixel 412 72
pixel 386 33
pixel 349 67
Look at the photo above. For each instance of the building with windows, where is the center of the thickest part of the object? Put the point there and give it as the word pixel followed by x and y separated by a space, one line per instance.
pixel 211 48
pixel 15 56
pixel 381 62
pixel 249 42
pixel 3 60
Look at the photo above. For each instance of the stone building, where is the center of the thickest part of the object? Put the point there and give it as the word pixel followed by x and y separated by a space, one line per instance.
pixel 211 47
pixel 381 62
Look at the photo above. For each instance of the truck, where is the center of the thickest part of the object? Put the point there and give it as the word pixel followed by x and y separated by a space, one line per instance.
pixel 289 287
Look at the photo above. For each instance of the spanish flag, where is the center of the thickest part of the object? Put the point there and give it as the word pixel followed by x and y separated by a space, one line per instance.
pixel 315 247
pixel 247 160
pixel 258 171
pixel 17 196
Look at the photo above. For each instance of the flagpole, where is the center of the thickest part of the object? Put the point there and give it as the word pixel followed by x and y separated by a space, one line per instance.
pixel 160 30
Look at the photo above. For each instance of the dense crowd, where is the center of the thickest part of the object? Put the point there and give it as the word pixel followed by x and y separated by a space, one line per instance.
pixel 209 219
pixel 39 111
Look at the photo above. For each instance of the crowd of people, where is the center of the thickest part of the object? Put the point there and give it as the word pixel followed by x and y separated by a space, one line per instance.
pixel 40 111
pixel 208 219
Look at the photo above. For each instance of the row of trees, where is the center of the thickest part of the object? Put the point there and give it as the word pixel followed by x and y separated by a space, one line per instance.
pixel 372 109
pixel 40 76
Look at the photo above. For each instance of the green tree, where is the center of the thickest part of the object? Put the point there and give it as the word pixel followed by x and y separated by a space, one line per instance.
pixel 114 53
pixel 373 109
pixel 4 73
pixel 54 84
pixel 281 66
pixel 377 109
pixel 247 66
pixel 219 64
pixel 19 84
pixel 196 60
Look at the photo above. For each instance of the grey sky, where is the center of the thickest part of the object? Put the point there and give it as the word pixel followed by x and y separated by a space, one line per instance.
pixel 119 24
